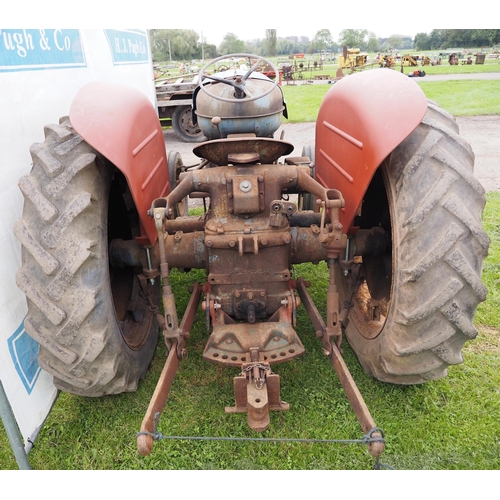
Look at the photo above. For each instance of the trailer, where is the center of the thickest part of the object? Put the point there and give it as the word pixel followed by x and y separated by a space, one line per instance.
pixel 174 98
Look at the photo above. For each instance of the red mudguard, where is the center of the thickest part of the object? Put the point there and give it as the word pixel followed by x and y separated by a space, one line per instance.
pixel 121 123
pixel 362 118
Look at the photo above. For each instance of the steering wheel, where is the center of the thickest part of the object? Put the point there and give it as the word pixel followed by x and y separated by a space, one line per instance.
pixel 240 82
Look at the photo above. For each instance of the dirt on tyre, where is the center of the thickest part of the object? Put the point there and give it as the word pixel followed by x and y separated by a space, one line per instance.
pixel 414 309
pixel 96 331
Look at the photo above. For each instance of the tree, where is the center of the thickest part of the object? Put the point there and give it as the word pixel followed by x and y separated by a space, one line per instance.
pixel 373 43
pixel 293 45
pixel 209 51
pixel 322 40
pixel 456 38
pixel 169 45
pixel 395 41
pixel 353 38
pixel 436 39
pixel 287 46
pixel 487 38
pixel 159 45
pixel 271 42
pixel 231 44
pixel 422 41
pixel 184 44
pixel 471 38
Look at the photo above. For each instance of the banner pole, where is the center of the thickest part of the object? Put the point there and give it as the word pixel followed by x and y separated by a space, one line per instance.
pixel 10 425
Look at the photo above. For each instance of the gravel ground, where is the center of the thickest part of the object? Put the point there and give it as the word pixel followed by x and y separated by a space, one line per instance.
pixel 482 133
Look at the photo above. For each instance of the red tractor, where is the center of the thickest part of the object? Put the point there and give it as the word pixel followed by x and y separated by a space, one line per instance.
pixel 386 197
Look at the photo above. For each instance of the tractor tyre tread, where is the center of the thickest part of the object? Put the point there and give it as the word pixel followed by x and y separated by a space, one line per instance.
pixel 438 250
pixel 65 274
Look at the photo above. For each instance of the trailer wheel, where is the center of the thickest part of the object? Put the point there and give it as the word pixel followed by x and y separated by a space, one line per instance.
pixel 96 331
pixel 182 123
pixel 414 309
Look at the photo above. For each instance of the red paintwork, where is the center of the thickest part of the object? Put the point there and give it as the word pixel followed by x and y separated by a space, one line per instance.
pixel 121 123
pixel 362 118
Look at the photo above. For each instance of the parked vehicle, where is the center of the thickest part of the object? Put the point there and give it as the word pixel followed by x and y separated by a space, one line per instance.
pixel 174 97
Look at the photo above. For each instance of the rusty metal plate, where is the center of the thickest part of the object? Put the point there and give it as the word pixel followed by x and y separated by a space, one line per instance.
pixel 266 150
pixel 229 345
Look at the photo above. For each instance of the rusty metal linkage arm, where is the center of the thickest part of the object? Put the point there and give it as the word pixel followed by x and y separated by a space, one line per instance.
pixel 358 404
pixel 145 437
pixel 376 447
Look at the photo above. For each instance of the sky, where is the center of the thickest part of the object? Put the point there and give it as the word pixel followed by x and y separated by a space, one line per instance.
pixel 247 20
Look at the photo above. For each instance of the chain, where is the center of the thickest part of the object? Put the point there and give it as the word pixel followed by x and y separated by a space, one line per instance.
pixel 146 293
pixel 366 439
pixel 251 367
pixel 259 382
pixel 354 282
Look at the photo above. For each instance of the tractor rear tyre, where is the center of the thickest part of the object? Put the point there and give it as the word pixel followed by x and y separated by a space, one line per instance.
pixel 94 324
pixel 414 309
pixel 182 123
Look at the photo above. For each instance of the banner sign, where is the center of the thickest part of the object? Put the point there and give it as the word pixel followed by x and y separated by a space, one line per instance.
pixel 24 352
pixel 29 49
pixel 128 46
pixel 41 71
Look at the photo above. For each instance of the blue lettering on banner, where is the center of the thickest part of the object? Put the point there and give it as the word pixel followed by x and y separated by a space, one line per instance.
pixel 128 46
pixel 34 49
pixel 24 352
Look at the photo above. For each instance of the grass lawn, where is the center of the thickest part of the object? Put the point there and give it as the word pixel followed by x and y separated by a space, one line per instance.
pixel 453 423
pixel 459 97
pixel 465 98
